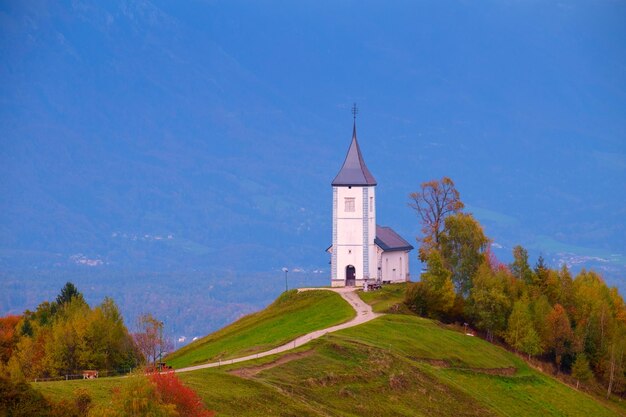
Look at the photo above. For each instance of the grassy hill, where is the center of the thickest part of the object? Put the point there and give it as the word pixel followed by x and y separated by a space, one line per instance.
pixel 293 314
pixel 395 365
pixel 389 299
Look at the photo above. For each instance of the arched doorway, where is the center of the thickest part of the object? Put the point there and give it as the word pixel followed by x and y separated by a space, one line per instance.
pixel 350 276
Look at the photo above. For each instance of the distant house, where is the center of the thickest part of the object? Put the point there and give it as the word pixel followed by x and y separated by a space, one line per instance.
pixel 361 250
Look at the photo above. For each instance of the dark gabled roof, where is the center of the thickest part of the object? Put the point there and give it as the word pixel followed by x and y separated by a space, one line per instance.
pixel 354 171
pixel 388 240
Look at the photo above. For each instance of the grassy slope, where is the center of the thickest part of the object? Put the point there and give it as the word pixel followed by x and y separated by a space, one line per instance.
pixel 291 315
pixel 406 365
pixel 230 395
pixel 388 299
pixel 395 365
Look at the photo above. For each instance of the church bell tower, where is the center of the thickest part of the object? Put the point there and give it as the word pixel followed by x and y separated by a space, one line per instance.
pixel 353 254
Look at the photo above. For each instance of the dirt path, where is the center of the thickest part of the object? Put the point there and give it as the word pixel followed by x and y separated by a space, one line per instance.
pixel 364 314
pixel 251 371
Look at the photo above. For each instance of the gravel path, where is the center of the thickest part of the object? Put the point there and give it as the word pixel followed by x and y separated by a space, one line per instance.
pixel 364 314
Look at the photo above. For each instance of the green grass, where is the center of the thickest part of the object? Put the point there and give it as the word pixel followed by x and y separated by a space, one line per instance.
pixel 405 365
pixel 534 394
pixel 228 394
pixel 293 314
pixel 99 389
pixel 233 396
pixel 389 299
pixel 395 365
pixel 347 378
pixel 420 338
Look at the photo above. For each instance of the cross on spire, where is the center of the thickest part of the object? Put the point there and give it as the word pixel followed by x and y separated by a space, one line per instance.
pixel 355 111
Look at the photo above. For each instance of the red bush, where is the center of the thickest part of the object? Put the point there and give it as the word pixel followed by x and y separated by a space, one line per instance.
pixel 173 391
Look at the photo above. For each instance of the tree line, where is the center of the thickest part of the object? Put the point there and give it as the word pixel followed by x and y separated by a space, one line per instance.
pixel 577 323
pixel 67 336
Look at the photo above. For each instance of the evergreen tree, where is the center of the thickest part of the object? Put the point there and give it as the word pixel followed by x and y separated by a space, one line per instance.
pixel 567 289
pixel 68 292
pixel 541 274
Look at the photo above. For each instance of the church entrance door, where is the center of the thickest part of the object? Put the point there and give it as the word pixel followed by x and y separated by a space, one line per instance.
pixel 350 276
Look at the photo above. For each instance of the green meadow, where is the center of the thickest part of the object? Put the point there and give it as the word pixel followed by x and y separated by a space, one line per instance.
pixel 395 365
pixel 293 314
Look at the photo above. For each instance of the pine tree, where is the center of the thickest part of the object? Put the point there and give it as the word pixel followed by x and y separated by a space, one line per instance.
pixel 68 292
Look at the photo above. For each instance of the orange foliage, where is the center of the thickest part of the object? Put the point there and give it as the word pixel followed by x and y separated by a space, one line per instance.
pixel 8 336
pixel 560 335
pixel 494 262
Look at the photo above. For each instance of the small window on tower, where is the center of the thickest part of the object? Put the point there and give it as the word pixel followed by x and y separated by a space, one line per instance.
pixel 371 204
pixel 349 204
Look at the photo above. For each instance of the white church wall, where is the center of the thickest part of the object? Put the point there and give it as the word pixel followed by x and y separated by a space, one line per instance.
pixel 395 266
pixel 350 232
pixel 349 255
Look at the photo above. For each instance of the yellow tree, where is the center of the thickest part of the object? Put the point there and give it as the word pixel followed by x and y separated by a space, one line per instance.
pixel 581 371
pixel 488 304
pixel 434 294
pixel 463 244
pixel 518 324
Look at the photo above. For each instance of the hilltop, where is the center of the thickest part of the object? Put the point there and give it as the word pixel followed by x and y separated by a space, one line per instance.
pixel 396 364
pixel 291 315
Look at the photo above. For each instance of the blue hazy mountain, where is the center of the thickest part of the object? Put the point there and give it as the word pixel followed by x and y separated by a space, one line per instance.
pixel 168 154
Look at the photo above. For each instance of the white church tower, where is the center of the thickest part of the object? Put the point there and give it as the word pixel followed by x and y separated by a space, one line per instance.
pixel 362 251
pixel 353 252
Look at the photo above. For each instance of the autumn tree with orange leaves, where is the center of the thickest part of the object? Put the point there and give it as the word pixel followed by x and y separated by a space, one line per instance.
pixel 8 336
pixel 433 203
pixel 560 335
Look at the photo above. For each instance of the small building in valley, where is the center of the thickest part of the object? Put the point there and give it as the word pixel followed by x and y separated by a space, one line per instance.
pixel 361 250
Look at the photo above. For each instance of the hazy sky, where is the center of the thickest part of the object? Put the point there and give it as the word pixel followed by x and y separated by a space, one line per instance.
pixel 222 123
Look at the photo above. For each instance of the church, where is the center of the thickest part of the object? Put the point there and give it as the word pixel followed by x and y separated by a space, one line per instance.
pixel 362 251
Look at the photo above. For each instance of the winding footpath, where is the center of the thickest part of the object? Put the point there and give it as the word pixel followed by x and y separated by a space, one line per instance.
pixel 364 314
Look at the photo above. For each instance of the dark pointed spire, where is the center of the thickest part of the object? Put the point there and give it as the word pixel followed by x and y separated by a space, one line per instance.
pixel 354 171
